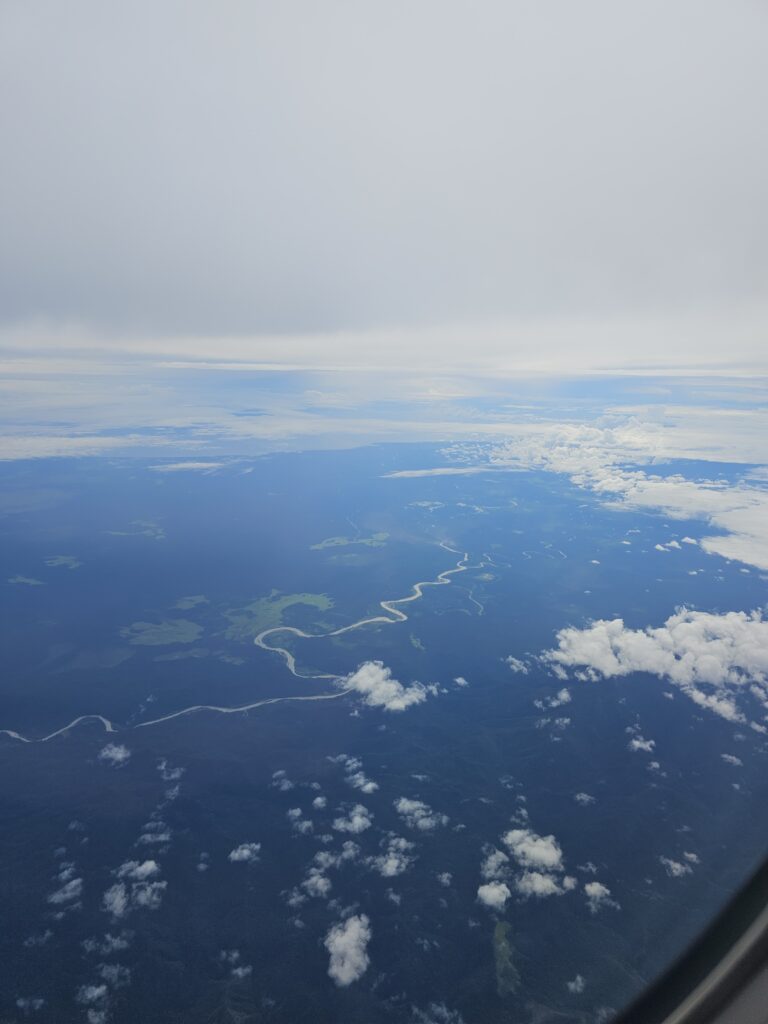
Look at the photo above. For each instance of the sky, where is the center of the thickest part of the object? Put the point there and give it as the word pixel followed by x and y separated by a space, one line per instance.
pixel 510 187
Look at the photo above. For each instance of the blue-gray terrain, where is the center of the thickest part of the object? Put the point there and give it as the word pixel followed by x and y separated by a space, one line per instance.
pixel 402 733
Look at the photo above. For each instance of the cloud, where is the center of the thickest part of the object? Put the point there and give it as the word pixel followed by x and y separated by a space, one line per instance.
pixel 495 865
pixel 516 665
pixel 120 898
pixel 577 985
pixel 418 815
pixel 594 457
pixel 716 660
pixel 245 853
pixel 584 799
pixel 598 895
pixel 115 754
pixel 181 467
pixel 347 944
pixel 375 683
pixel 357 820
pixel 320 803
pixel 436 1013
pixel 637 743
pixel 29 1004
pixel 494 895
pixel 138 872
pixel 674 868
pixel 540 884
pixel 71 890
pixel 732 760
pixel 395 858
pixel 317 884
pixel 534 851
pixel 440 471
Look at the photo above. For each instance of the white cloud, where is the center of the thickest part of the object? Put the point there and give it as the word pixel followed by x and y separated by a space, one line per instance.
pixel 395 858
pixel 347 944
pixel 732 759
pixel 375 683
pixel 674 868
pixel 598 895
pixel 540 884
pixel 436 1013
pixel 534 851
pixel 716 660
pixel 138 872
pixel 638 743
pixel 360 781
pixel 245 853
pixel 494 895
pixel 115 753
pixel 71 890
pixel 357 820
pixel 180 467
pixel 317 884
pixel 319 803
pixel 593 457
pixel 516 665
pixel 461 681
pixel 148 894
pixel 577 985
pixel 418 815
pixel 495 865
pixel 584 799
pixel 445 878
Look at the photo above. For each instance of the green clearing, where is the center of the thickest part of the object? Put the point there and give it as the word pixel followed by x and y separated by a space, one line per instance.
pixel 376 540
pixel 267 613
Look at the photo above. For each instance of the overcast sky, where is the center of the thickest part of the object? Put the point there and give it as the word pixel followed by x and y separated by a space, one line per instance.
pixel 563 173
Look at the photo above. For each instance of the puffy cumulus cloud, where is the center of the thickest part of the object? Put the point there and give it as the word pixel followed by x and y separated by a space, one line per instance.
pixel 395 858
pixel 347 944
pixel 675 868
pixel 245 853
pixel 598 896
pixel 121 898
pixel 584 799
pixel 539 883
pixel 115 754
pixel 355 776
pixel 317 884
pixel 418 815
pixel 494 895
pixel 495 864
pixel 542 853
pixel 281 781
pixel 138 872
pixel 517 665
pixel 374 682
pixel 115 975
pixel 716 660
pixel 577 985
pixel 320 803
pixel 445 878
pixel 638 743
pixel 358 780
pixel 357 820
